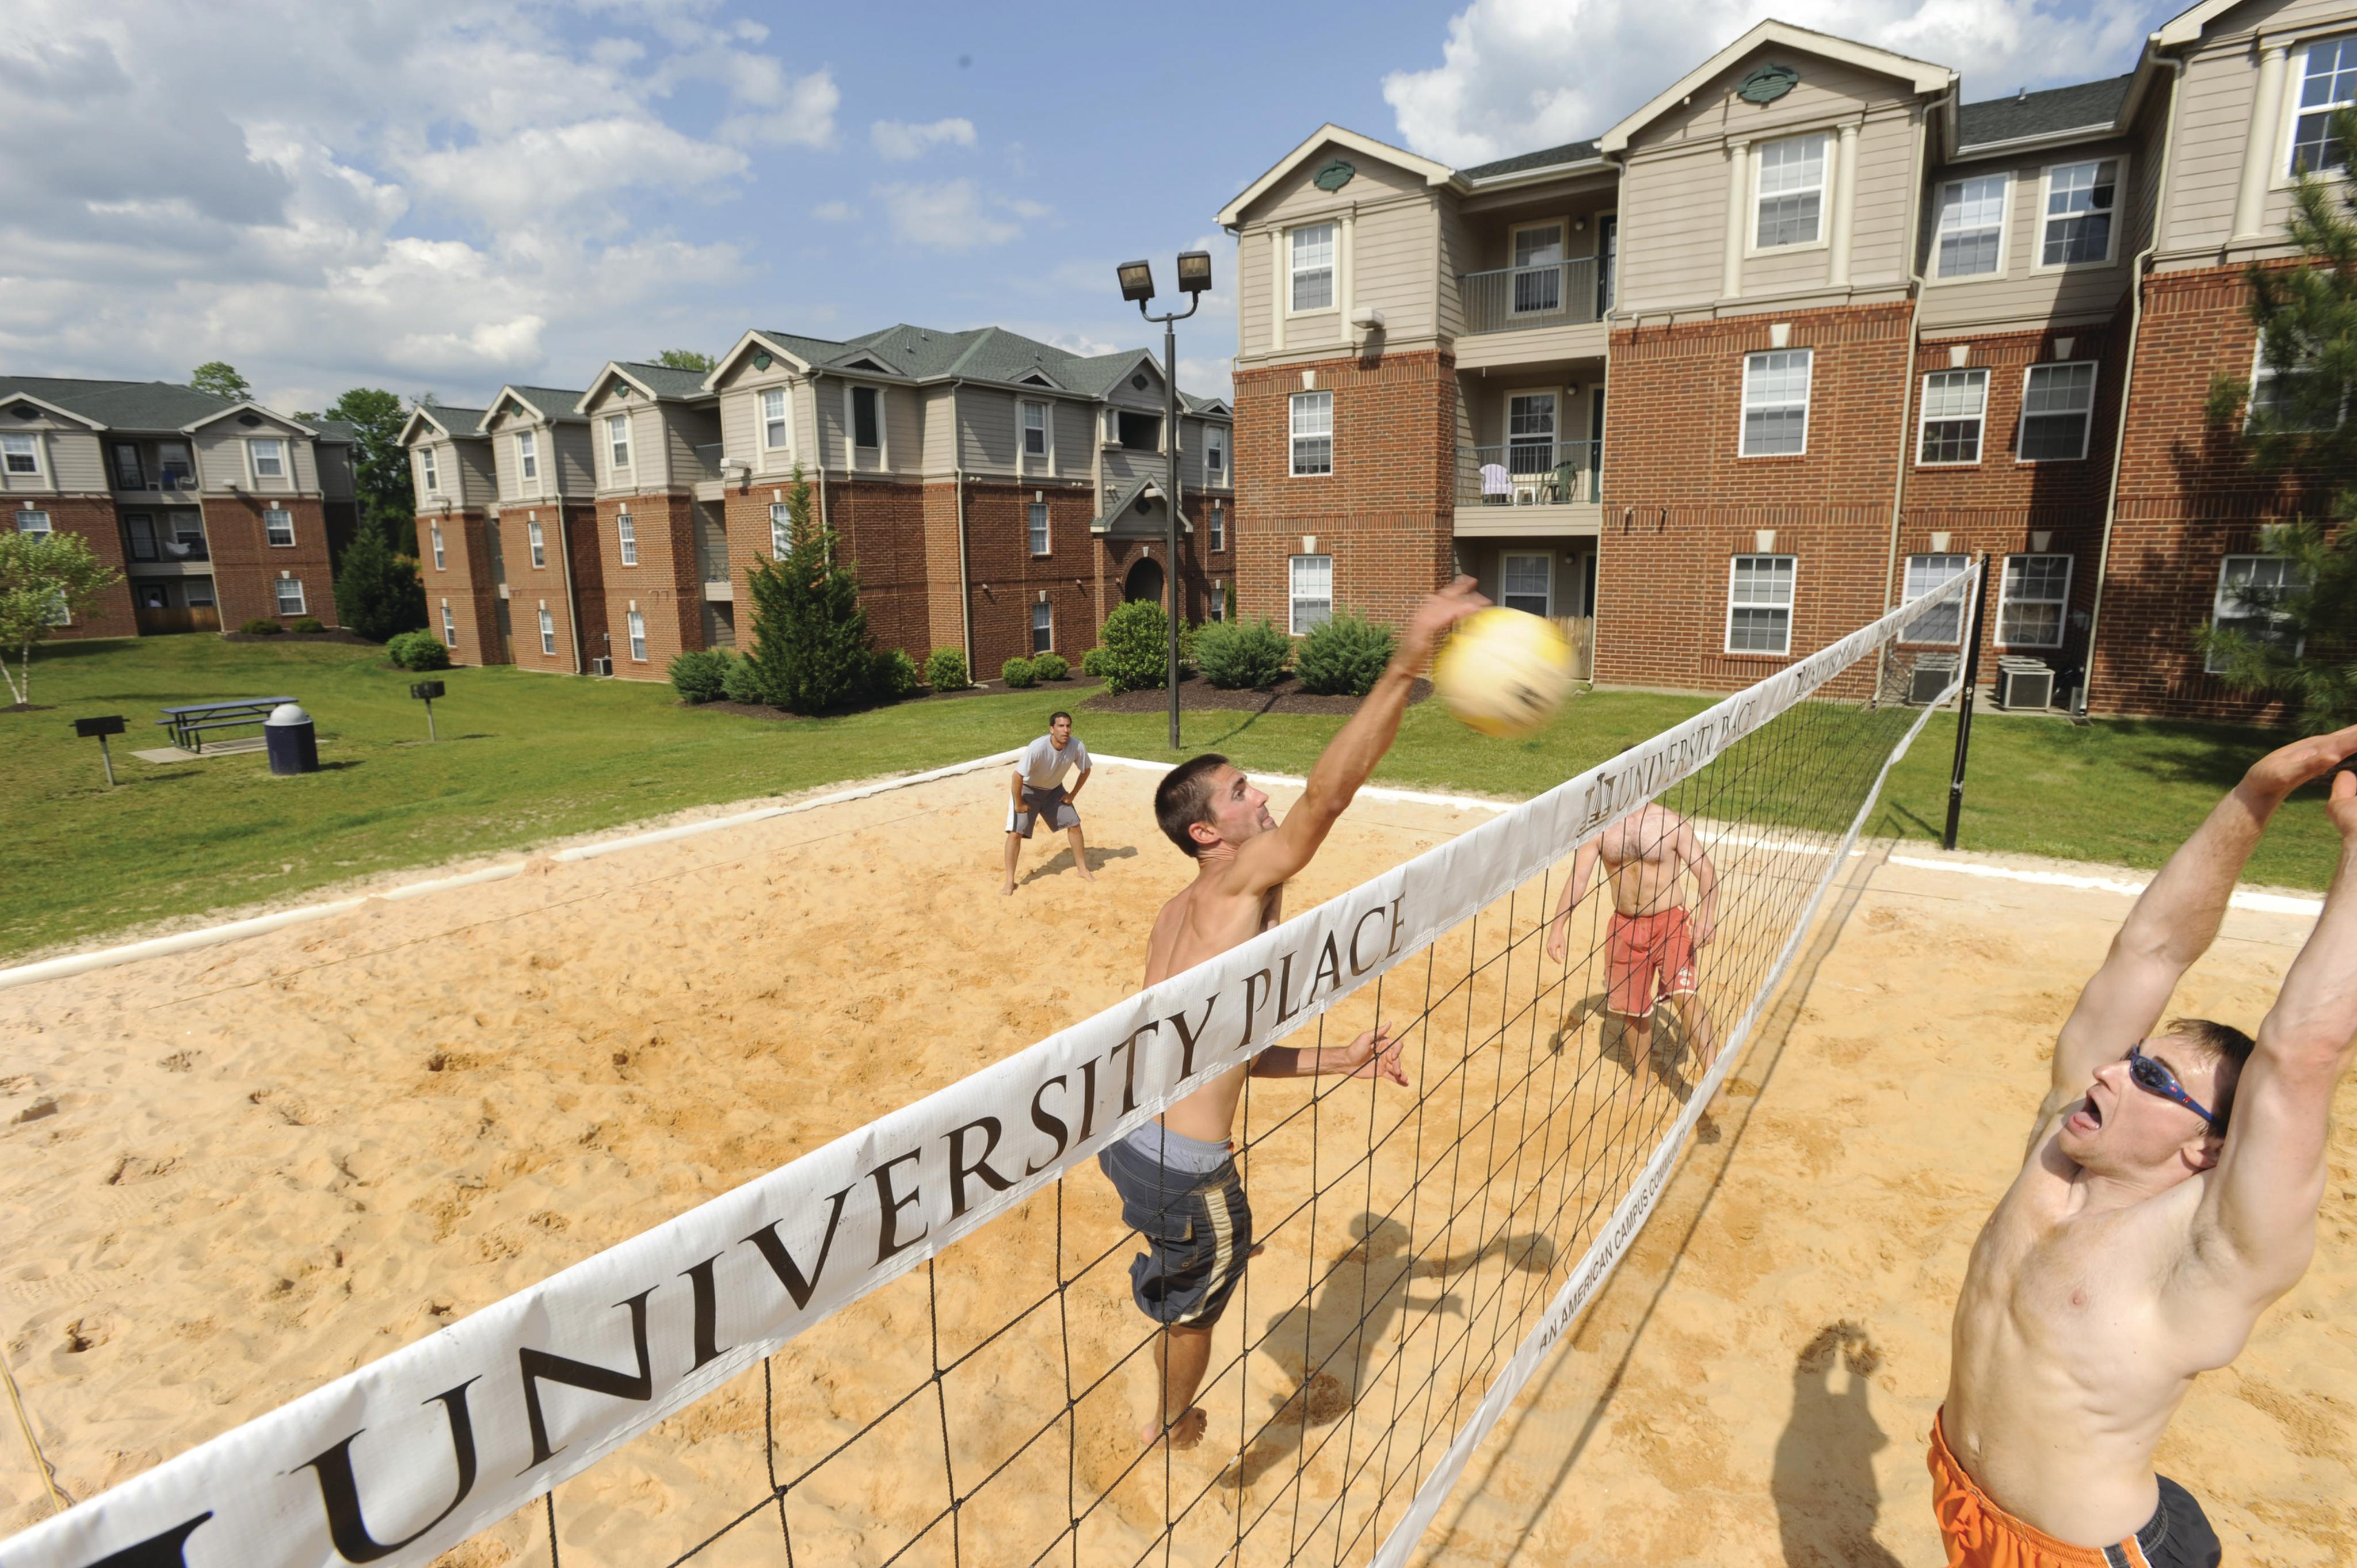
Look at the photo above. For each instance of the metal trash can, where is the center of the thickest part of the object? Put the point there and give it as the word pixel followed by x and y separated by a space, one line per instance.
pixel 293 741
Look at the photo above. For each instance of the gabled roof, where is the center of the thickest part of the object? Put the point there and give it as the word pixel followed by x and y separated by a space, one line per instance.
pixel 1126 498
pixel 661 383
pixel 246 407
pixel 1433 173
pixel 126 405
pixel 552 403
pixel 11 391
pixel 445 417
pixel 1546 158
pixel 928 356
pixel 2090 107
pixel 1921 75
pixel 2187 25
pixel 337 430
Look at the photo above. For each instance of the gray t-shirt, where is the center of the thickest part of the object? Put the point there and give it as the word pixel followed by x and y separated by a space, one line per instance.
pixel 1044 767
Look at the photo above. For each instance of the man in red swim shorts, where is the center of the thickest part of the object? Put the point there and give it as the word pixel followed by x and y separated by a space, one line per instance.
pixel 1648 951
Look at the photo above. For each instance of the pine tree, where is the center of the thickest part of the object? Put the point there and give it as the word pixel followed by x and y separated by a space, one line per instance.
pixel 377 592
pixel 2298 639
pixel 812 652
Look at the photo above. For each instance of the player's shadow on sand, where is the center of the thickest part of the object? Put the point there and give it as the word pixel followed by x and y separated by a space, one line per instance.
pixel 1671 1049
pixel 1333 1346
pixel 1826 1499
pixel 1061 862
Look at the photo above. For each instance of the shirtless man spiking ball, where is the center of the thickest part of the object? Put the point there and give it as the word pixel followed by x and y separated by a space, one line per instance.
pixel 2168 1196
pixel 1177 1176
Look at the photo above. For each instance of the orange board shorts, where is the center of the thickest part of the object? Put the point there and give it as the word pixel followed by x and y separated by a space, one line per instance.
pixel 1646 958
pixel 1979 1534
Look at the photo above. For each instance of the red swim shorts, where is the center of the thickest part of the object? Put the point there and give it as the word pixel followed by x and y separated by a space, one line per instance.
pixel 1646 958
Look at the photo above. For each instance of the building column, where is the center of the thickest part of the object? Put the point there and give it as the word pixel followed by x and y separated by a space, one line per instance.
pixel 1845 207
pixel 2259 144
pixel 1739 211
pixel 1282 285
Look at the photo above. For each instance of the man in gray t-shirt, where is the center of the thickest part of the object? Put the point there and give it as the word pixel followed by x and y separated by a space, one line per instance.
pixel 1037 791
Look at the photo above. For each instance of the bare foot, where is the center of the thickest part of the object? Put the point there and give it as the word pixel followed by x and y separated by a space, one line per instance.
pixel 1185 1432
pixel 1008 891
pixel 1087 876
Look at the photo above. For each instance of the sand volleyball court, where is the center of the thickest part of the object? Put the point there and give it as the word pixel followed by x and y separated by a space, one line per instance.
pixel 272 1160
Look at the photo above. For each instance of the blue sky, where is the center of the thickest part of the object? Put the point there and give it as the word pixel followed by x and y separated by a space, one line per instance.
pixel 448 198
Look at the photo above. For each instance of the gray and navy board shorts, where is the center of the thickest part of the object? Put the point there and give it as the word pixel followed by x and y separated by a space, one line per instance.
pixel 1047 805
pixel 2177 1536
pixel 1186 1199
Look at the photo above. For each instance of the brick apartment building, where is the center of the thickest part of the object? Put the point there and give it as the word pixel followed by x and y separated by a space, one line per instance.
pixel 998 496
pixel 1852 331
pixel 215 511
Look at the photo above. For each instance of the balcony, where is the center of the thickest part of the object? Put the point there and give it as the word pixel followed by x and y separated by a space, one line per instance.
pixel 1530 487
pixel 706 471
pixel 1553 310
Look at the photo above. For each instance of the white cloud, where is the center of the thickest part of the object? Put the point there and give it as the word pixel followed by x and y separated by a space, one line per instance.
pixel 948 216
pixel 835 212
pixel 897 140
pixel 1518 75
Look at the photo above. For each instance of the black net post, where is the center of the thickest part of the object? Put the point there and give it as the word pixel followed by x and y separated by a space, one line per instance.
pixel 1964 707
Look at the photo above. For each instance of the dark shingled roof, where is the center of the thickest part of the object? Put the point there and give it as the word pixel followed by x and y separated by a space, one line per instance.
pixel 2085 106
pixel 982 354
pixel 552 401
pixel 456 420
pixel 335 430
pixel 665 383
pixel 1546 157
pixel 122 405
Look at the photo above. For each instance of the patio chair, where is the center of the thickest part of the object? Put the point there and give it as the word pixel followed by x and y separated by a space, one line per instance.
pixel 1497 487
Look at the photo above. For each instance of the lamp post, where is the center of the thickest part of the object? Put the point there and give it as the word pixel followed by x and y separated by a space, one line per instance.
pixel 1137 283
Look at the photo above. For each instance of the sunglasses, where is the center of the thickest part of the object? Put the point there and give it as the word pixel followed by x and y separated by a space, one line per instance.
pixel 2153 1077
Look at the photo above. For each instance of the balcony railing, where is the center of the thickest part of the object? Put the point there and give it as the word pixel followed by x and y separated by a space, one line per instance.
pixel 1530 473
pixel 1553 294
pixel 166 548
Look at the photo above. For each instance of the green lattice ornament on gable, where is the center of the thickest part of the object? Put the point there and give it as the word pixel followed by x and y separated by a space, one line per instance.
pixel 1767 83
pixel 1333 175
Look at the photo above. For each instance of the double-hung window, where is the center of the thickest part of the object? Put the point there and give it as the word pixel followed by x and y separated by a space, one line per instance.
pixel 527 448
pixel 1215 454
pixel 1776 404
pixel 547 630
pixel 782 529
pixel 1039 521
pixel 1955 408
pixel 1538 269
pixel 2031 603
pixel 449 627
pixel 1035 438
pixel 866 420
pixel 2328 81
pixel 31 521
pixel 1312 589
pixel 1043 628
pixel 1791 206
pixel 539 543
pixel 626 533
pixel 2058 413
pixel 617 441
pixel 1219 601
pixel 1219 526
pixel 290 596
pixel 269 456
pixel 278 525
pixel 2295 397
pixel 1760 604
pixel 441 563
pixel 1530 433
pixel 129 472
pixel 1942 626
pixel 1313 433
pixel 2237 608
pixel 2077 223
pixel 1311 255
pixel 773 420
pixel 21 456
pixel 1527 582
pixel 637 629
pixel 428 475
pixel 1971 232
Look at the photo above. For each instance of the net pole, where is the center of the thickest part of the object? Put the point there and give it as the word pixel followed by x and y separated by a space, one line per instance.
pixel 1965 707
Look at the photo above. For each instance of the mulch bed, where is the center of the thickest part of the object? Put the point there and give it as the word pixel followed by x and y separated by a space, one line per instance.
pixel 1196 695
pixel 334 634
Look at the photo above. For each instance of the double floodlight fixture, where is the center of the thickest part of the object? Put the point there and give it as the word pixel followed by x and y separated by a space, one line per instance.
pixel 1137 277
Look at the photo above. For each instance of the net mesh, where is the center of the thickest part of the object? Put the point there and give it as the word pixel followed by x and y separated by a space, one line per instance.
pixel 987 1408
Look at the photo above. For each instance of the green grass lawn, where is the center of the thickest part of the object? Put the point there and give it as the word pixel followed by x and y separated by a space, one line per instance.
pixel 525 757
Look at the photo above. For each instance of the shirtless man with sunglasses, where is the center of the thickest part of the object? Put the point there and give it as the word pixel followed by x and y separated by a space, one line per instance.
pixel 2168 1197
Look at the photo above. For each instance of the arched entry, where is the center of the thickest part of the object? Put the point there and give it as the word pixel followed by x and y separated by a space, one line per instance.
pixel 1144 582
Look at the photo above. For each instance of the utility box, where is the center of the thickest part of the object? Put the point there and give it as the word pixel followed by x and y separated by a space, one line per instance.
pixel 1932 674
pixel 292 740
pixel 2024 684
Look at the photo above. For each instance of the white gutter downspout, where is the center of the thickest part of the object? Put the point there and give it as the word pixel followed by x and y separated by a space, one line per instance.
pixel 1914 331
pixel 966 593
pixel 2127 383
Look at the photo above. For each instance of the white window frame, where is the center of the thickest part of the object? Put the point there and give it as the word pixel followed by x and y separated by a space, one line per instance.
pixel 302 603
pixel 1295 437
pixel 1215 453
pixel 782 529
pixel 626 536
pixel 1036 525
pixel 1333 268
pixel 2219 609
pixel 1039 611
pixel 547 632
pixel 2288 133
pixel 1556 419
pixel 1823 188
pixel 1027 461
pixel 270 529
pixel 2004 178
pixel 1790 606
pixel 618 442
pixel 1294 599
pixel 783 420
pixel 1219 602
pixel 440 562
pixel 539 542
pixel 635 625
pixel 1910 591
pixel 1924 420
pixel 24 516
pixel 1546 558
pixel 38 472
pixel 851 390
pixel 2261 373
pixel 2006 598
pixel 1743 429
pixel 254 455
pixel 527 451
pixel 2087 432
pixel 138 479
pixel 2038 262
pixel 429 471
pixel 1516 268
pixel 1219 520
pixel 449 627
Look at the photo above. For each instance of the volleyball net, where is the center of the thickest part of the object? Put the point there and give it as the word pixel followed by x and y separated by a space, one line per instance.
pixel 917 1344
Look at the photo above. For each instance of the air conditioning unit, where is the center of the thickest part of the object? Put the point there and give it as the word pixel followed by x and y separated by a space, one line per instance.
pixel 2024 684
pixel 1933 673
pixel 601 667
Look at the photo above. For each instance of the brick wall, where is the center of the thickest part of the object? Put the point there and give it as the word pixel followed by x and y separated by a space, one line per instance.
pixel 880 527
pixel 1005 579
pixel 464 581
pixel 94 518
pixel 245 566
pixel 665 588
pixel 530 588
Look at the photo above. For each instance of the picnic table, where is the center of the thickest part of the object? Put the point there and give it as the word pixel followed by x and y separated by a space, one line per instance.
pixel 189 721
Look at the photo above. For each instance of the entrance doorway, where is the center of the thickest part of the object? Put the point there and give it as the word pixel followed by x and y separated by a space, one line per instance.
pixel 1144 582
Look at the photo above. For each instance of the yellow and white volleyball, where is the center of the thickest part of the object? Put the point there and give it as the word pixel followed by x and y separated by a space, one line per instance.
pixel 1504 672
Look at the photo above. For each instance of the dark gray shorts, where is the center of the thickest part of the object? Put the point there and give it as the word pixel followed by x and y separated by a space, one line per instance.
pixel 1198 1231
pixel 2177 1536
pixel 1041 804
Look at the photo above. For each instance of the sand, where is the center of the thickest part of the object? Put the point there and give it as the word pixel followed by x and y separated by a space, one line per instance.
pixel 275 1161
